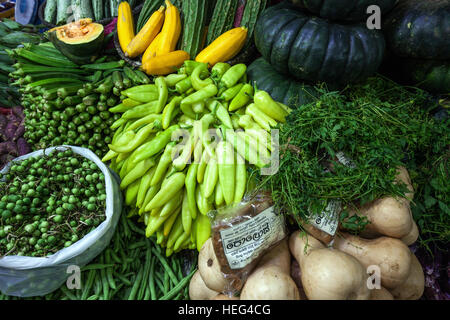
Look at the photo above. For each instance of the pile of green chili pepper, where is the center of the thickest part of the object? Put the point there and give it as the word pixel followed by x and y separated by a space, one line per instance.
pixel 183 144
pixel 132 267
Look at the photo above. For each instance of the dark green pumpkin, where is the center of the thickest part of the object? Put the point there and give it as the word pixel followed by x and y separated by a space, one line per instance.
pixel 313 49
pixel 281 88
pixel 419 29
pixel 344 10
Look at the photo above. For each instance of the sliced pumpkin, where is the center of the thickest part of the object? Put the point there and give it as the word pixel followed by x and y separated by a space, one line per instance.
pixel 80 41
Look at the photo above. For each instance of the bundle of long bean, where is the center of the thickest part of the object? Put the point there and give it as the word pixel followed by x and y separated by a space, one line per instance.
pixel 131 268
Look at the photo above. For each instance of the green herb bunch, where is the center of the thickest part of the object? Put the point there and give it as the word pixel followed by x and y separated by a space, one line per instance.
pixel 378 126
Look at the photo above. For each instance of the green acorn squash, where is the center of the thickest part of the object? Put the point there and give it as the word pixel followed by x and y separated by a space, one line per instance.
pixel 419 29
pixel 313 49
pixel 281 88
pixel 80 41
pixel 344 10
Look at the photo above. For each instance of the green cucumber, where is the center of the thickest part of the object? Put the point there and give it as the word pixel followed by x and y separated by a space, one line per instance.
pixel 50 11
pixel 86 9
pixel 194 12
pixel 222 19
pixel 253 9
pixel 62 11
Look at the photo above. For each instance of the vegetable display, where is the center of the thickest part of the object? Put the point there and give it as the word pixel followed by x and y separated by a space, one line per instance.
pixel 49 202
pixel 261 150
pixel 172 183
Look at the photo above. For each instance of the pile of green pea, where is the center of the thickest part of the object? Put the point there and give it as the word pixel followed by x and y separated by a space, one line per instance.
pixel 49 202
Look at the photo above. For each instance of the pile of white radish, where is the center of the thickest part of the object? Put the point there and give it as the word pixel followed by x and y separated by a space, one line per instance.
pixel 348 269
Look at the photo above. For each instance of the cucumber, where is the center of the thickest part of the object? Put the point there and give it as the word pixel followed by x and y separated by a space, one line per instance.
pixel 50 11
pixel 222 19
pixel 253 9
pixel 194 12
pixel 76 9
pixel 86 9
pixel 97 8
pixel 107 9
pixel 62 11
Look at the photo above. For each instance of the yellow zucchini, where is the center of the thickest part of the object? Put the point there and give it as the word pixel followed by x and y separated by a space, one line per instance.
pixel 125 25
pixel 224 48
pixel 147 34
pixel 150 52
pixel 165 63
pixel 171 30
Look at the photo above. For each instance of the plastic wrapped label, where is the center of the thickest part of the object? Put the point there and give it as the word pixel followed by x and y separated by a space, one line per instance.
pixel 36 276
pixel 245 241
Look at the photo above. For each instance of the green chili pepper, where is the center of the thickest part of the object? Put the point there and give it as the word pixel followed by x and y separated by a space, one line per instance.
pixel 242 98
pixel 154 119
pixel 163 163
pixel 174 185
pixel 186 217
pixel 141 88
pixel 201 95
pixel 218 70
pixel 154 146
pixel 163 93
pixel 264 102
pixel 144 186
pixel 203 230
pixel 197 82
pixel 221 113
pixel 169 111
pixel 137 172
pixel 173 79
pixel 198 107
pixel 187 110
pixel 241 179
pixel 183 86
pixel 143 97
pixel 128 102
pixel 232 75
pixel 260 117
pixel 142 110
pixel 182 160
pixel 156 223
pixel 191 183
pixel 130 140
pixel 211 178
pixel 226 170
pixel 245 150
pixel 260 148
pixel 218 195
pixel 119 108
pixel 202 166
pixel 190 65
pixel 204 205
pixel 232 92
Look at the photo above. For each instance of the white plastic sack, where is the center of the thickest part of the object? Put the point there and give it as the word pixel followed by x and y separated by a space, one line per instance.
pixel 36 276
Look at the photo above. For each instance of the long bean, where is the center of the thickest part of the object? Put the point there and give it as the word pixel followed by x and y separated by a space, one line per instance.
pixel 165 266
pixel 180 286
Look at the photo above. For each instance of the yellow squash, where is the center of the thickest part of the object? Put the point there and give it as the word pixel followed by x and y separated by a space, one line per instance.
pixel 125 25
pixel 224 48
pixel 165 63
pixel 147 34
pixel 150 52
pixel 171 30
